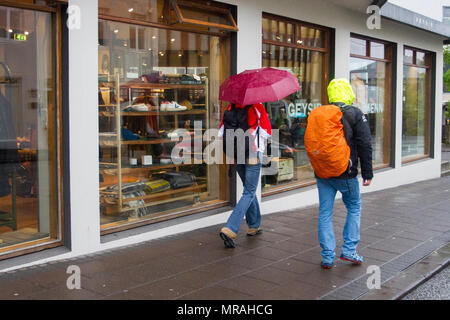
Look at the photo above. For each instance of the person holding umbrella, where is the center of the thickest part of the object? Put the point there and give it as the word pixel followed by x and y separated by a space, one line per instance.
pixel 246 91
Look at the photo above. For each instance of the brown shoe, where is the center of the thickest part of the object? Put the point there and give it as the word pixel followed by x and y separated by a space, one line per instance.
pixel 228 236
pixel 254 231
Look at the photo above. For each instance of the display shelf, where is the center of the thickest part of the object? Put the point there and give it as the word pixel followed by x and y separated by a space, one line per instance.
pixel 152 113
pixel 170 192
pixel 107 134
pixel 162 86
pixel 161 113
pixel 139 169
pixel 118 150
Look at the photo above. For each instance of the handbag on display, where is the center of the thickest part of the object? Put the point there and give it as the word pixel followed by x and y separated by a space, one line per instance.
pixel 179 179
pixel 155 186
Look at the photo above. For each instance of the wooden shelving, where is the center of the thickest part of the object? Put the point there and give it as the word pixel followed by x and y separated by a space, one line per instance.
pixel 170 192
pixel 162 86
pixel 139 169
pixel 113 140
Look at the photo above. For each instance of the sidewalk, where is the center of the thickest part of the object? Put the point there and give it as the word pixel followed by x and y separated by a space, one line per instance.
pixel 398 228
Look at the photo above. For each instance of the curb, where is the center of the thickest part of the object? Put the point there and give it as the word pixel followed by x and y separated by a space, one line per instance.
pixel 427 277
pixel 412 277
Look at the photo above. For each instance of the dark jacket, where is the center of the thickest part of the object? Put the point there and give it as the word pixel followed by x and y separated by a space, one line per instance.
pixel 358 137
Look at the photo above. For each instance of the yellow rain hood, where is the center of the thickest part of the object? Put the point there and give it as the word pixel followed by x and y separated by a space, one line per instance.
pixel 340 90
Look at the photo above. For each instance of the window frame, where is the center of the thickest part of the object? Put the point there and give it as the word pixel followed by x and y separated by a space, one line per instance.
pixel 224 36
pixel 57 211
pixel 389 58
pixel 222 32
pixel 327 66
pixel 430 69
pixel 182 20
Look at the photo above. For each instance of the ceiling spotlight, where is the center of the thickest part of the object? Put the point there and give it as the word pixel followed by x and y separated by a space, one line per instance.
pixel 130 10
pixel 116 31
pixel 10 30
pixel 125 44
pixel 172 40
pixel 27 33
pixel 154 37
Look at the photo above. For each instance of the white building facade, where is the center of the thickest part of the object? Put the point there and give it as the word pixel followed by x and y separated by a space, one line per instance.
pixel 107 56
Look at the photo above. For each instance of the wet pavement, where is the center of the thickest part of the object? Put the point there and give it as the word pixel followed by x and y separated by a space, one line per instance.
pixel 399 227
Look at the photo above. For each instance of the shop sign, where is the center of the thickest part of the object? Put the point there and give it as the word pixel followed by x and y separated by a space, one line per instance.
pixel 20 37
pixel 301 109
pixel 375 108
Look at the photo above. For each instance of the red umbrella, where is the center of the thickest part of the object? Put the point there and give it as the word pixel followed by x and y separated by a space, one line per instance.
pixel 258 85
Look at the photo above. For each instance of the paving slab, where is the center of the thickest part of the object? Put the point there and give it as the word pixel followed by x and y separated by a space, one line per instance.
pixel 401 234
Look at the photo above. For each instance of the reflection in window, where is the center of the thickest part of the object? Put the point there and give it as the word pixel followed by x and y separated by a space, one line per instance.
pixel 415 112
pixel 358 46
pixel 416 104
pixel 369 81
pixel 376 50
pixel 153 81
pixel 28 158
pixel 290 114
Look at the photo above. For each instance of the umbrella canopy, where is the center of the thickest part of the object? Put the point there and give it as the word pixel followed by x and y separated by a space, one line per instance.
pixel 258 85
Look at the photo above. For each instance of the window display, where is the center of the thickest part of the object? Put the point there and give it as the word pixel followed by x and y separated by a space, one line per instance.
pixel 152 83
pixel 303 50
pixel 416 104
pixel 370 76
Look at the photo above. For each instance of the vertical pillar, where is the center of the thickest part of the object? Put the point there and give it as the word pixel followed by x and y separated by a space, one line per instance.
pixel 399 108
pixel 249 53
pixel 83 125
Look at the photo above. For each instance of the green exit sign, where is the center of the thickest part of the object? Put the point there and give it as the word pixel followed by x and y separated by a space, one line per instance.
pixel 20 37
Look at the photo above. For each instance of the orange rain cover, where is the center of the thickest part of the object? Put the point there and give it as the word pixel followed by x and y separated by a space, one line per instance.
pixel 325 143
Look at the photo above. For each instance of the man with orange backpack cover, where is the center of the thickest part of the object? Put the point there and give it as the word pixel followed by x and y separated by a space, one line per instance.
pixel 336 136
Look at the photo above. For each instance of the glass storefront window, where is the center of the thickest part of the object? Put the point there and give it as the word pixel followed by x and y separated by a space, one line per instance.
pixel 183 14
pixel 28 130
pixel 371 80
pixel 153 81
pixel 416 104
pixel 358 46
pixel 290 114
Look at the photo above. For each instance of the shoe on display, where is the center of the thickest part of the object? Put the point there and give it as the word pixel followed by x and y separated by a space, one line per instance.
pixel 172 134
pixel 163 105
pixel 165 161
pixel 171 106
pixel 141 107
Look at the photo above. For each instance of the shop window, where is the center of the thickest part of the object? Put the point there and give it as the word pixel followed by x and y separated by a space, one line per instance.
pixel 191 15
pixel 370 76
pixel 153 81
pixel 28 130
pixel 303 50
pixel 358 46
pixel 416 104
pixel 203 14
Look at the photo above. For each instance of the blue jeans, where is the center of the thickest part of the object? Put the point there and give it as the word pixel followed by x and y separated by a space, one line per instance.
pixel 352 200
pixel 248 204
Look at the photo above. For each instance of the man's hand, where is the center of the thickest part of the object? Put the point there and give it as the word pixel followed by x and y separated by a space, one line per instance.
pixel 367 182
